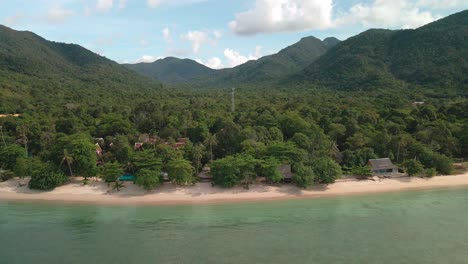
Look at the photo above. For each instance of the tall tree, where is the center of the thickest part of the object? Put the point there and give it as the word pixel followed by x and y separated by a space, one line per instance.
pixel 68 159
pixel 180 172
pixel 211 140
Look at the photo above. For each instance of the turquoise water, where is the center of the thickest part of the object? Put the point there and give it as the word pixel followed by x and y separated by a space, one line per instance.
pixel 428 226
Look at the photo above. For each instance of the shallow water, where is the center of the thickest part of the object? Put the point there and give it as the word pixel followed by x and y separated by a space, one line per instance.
pixel 429 226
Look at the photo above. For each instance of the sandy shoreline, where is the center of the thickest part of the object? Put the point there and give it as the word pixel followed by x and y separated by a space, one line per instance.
pixel 204 193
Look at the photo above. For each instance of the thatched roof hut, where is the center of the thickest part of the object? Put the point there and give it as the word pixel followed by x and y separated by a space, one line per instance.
pixel 382 166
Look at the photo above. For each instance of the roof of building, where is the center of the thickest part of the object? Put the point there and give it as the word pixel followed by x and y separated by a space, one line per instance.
pixel 286 171
pixel 381 164
pixel 205 175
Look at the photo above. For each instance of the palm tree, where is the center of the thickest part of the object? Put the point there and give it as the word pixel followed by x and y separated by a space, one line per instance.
pixel 197 155
pixel 67 158
pixel 211 141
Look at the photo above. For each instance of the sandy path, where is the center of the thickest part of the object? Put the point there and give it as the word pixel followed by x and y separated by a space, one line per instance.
pixel 97 192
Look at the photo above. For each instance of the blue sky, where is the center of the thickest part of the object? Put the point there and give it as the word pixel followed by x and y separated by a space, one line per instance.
pixel 218 33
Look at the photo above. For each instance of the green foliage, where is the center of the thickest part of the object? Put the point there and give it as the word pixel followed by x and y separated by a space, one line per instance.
pixel 287 61
pixel 9 155
pixel 5 175
pixel 233 170
pixel 358 157
pixel 180 171
pixel 148 179
pixel 304 176
pixel 46 177
pixel 361 172
pixel 268 168
pixel 413 167
pixel 121 149
pixel 430 172
pixel 75 154
pixel 146 160
pixel 386 58
pixel 23 167
pixel 286 152
pixel 172 70
pixel 111 171
pixel 326 170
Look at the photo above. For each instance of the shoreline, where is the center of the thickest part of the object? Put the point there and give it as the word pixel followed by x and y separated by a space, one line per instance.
pixel 203 193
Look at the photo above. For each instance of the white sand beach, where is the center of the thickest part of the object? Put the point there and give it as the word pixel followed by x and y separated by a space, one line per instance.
pixel 98 192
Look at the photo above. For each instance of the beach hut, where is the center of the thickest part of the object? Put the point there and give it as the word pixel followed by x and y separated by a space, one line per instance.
pixel 286 171
pixel 204 175
pixel 382 166
pixel 138 146
pixel 127 178
pixel 165 176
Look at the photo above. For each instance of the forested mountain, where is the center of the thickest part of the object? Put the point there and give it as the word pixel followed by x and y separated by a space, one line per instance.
pixel 289 60
pixel 435 55
pixel 34 70
pixel 171 70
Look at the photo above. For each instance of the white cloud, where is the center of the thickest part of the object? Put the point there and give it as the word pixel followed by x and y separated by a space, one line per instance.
pixel 147 59
pixel 58 14
pixel 144 42
pixel 390 14
pixel 158 3
pixel 167 35
pixel 13 20
pixel 217 34
pixel 235 58
pixel 198 38
pixel 214 63
pixel 154 3
pixel 122 4
pixel 87 10
pixel 443 4
pixel 104 5
pixel 268 16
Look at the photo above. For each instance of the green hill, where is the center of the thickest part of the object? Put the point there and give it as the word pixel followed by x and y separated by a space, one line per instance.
pixel 289 60
pixel 434 55
pixel 266 69
pixel 34 70
pixel 171 70
pixel 269 69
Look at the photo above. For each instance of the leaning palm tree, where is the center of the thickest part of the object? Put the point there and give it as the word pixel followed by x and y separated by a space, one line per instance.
pixel 211 141
pixel 67 158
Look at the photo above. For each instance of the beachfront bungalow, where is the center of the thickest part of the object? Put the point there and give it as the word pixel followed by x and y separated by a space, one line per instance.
pixel 181 143
pixel 382 166
pixel 286 171
pixel 138 146
pixel 204 175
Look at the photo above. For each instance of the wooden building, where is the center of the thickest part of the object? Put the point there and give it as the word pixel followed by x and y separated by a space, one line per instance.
pixel 382 166
pixel 204 175
pixel 286 172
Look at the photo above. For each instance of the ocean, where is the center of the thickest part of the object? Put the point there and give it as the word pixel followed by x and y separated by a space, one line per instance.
pixel 423 226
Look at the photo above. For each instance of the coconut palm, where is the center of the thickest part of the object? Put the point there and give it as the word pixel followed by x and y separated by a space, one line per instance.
pixel 211 141
pixel 67 158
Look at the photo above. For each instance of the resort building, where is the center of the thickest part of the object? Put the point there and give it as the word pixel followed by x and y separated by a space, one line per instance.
pixel 382 166
pixel 286 172
pixel 204 175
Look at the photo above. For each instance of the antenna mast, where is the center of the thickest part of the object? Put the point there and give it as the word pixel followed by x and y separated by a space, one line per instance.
pixel 233 102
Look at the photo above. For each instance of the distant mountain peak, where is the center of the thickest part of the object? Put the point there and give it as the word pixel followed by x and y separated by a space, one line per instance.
pixel 171 70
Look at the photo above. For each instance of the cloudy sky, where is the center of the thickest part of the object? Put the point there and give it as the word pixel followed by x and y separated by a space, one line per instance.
pixel 217 33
